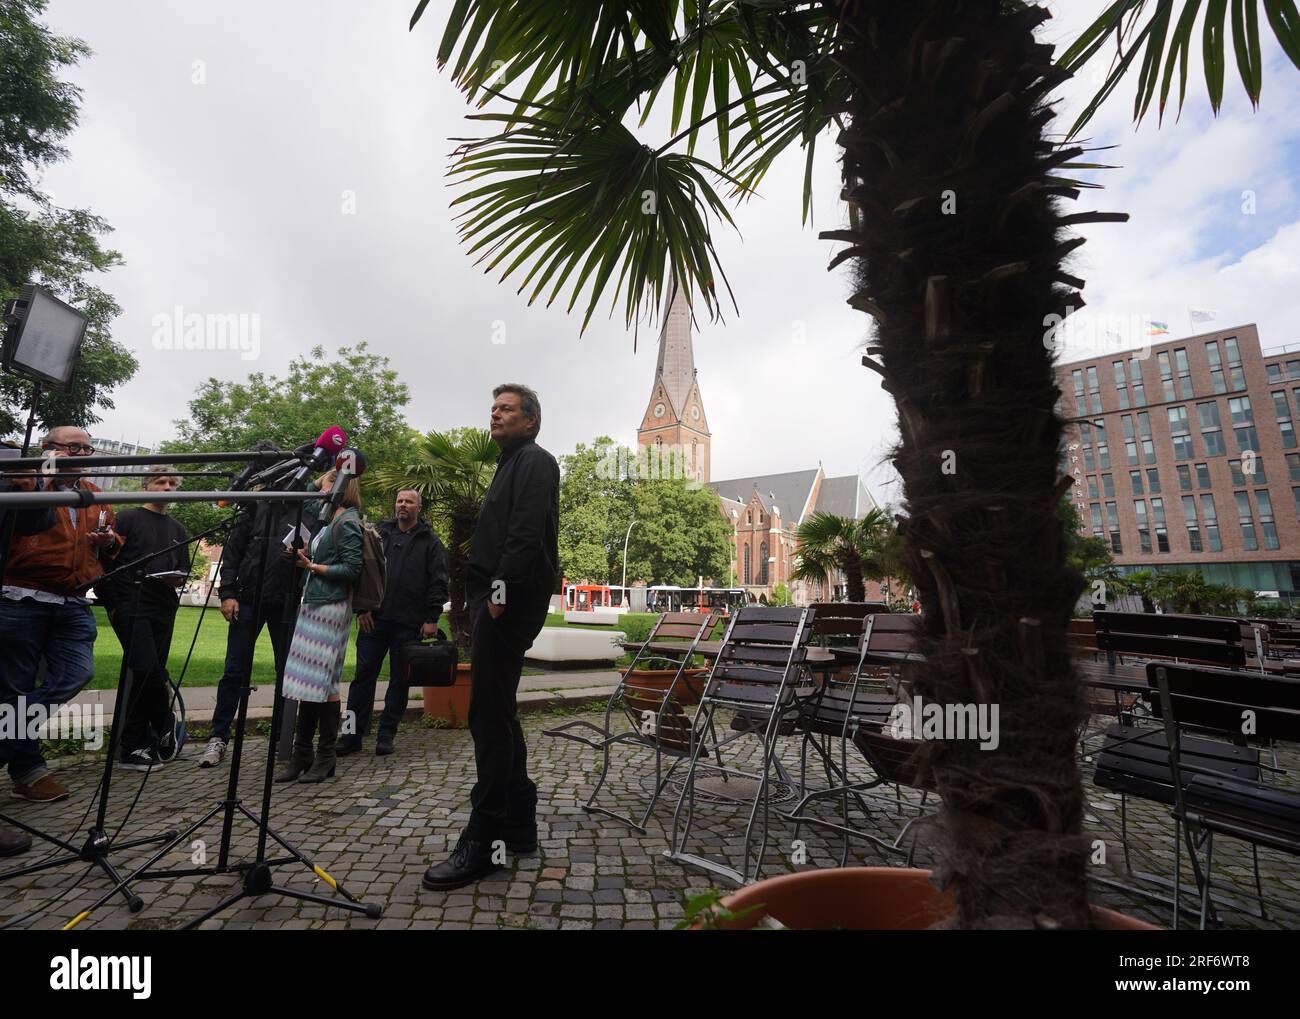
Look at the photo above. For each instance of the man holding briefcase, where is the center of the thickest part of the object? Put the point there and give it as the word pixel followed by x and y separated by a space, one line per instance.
pixel 413 600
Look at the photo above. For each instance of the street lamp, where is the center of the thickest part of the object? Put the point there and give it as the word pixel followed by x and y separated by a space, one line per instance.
pixel 625 540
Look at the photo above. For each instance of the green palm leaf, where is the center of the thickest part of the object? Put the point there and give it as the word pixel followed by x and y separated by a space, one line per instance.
pixel 1142 27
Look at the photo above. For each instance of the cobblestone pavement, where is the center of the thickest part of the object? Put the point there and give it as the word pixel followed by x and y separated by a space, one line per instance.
pixel 381 821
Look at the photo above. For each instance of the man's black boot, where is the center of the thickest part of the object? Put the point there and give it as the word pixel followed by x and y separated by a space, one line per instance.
pixel 348 744
pixel 521 839
pixel 470 861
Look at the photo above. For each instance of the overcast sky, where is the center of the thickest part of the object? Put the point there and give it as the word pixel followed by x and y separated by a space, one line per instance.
pixel 301 181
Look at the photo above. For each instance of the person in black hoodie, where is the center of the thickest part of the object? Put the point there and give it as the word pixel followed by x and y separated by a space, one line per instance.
pixel 513 566
pixel 413 598
pixel 144 624
pixel 241 569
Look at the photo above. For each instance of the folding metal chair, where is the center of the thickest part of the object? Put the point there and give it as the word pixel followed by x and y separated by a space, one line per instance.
pixel 757 671
pixel 652 706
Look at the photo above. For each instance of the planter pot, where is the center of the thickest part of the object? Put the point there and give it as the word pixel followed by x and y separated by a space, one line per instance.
pixel 864 898
pixel 688 689
pixel 450 702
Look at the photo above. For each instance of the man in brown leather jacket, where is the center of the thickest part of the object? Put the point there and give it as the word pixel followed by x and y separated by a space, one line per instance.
pixel 44 612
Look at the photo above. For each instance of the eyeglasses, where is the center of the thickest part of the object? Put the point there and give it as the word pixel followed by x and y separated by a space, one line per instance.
pixel 75 448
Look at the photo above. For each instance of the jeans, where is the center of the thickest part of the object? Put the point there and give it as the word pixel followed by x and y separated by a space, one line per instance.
pixel 504 799
pixel 146 639
pixel 64 635
pixel 240 640
pixel 385 640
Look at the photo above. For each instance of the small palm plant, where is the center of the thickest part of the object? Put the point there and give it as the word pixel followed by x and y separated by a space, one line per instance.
pixel 452 472
pixel 860 549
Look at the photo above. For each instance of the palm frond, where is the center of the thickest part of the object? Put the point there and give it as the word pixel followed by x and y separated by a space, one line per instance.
pixel 581 205
pixel 1142 28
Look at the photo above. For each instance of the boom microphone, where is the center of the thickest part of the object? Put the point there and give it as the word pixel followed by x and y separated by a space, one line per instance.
pixel 349 464
pixel 328 445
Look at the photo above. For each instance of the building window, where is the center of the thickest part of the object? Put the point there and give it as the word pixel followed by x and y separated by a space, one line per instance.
pixel 1293 465
pixel 1112 521
pixel 1144 433
pixel 1248 540
pixel 1135 379
pixel 1080 402
pixel 1216 368
pixel 1293 369
pixel 1284 424
pixel 1153 481
pixel 1108 485
pixel 1202 475
pixel 1243 423
pixel 1211 430
pixel 1144 529
pixel 1181 433
pixel 1092 486
pixel 1103 450
pixel 1275 373
pixel 1184 478
pixel 746 573
pixel 1264 504
pixel 1236 376
pixel 1094 390
pixel 1130 439
pixel 1094 511
pixel 1085 443
pixel 1121 384
pixel 1184 374
pixel 1295 494
pixel 1211 519
pixel 1257 478
pixel 1166 375
pixel 1158 518
pixel 1135 479
pixel 1193 528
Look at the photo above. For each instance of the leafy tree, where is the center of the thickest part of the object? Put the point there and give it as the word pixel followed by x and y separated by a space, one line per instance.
pixel 452 472
pixel 39 242
pixel 354 389
pixel 781 596
pixel 1091 556
pixel 680 536
pixel 596 507
pixel 958 244
pixel 1146 584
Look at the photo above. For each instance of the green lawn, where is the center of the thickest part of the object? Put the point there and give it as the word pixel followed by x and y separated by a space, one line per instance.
pixel 210 649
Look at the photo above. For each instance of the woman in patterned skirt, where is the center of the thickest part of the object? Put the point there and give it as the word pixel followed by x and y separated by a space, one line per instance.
pixel 320 640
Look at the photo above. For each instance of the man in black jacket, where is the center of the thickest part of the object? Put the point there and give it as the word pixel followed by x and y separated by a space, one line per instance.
pixel 513 565
pixel 241 569
pixel 413 598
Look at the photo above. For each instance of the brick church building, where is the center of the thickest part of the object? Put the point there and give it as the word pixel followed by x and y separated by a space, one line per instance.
pixel 764 511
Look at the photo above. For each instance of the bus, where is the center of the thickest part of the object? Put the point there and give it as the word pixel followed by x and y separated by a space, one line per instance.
pixel 671 598
pixel 588 597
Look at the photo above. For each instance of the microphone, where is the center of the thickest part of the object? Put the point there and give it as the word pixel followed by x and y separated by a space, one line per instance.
pixel 255 467
pixel 329 444
pixel 349 464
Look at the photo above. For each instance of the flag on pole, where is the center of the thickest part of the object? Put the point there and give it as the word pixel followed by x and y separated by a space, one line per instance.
pixel 1158 329
pixel 1201 315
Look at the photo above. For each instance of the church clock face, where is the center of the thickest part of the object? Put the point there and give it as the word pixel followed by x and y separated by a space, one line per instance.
pixel 659 410
pixel 695 413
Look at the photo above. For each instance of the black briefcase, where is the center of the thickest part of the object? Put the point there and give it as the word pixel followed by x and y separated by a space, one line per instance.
pixel 429 664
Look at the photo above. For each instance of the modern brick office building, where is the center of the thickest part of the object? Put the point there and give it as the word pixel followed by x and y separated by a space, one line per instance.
pixel 1188 458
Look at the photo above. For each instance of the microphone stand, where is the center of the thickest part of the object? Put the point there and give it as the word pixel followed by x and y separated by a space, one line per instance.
pixel 99 844
pixel 258 873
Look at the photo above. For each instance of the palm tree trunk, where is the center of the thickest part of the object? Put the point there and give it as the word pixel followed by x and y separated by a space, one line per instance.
pixel 958 254
pixel 462 529
pixel 854 589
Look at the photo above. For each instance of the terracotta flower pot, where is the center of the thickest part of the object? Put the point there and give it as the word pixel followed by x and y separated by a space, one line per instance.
pixel 688 691
pixel 450 702
pixel 864 898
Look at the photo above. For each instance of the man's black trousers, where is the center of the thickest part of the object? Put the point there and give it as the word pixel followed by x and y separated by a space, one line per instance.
pixel 504 799
pixel 147 637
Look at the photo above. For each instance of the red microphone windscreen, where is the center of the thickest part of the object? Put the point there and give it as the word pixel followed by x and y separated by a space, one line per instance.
pixel 332 439
pixel 353 460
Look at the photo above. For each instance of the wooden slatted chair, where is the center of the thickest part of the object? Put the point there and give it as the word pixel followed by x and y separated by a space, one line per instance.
pixel 1209 802
pixel 1203 640
pixel 649 706
pixel 757 671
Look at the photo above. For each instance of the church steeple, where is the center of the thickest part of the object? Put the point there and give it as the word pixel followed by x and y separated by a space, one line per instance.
pixel 674 421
